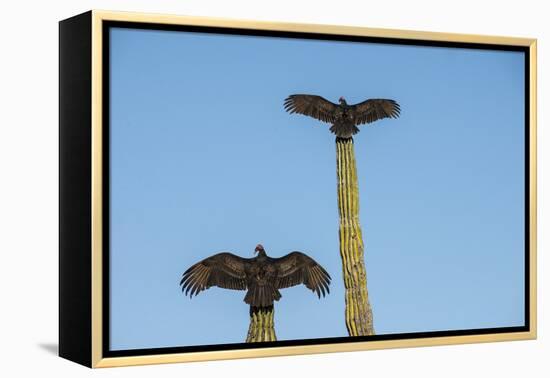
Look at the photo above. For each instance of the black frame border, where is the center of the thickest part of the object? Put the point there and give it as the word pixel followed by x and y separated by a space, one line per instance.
pixel 107 25
pixel 75 192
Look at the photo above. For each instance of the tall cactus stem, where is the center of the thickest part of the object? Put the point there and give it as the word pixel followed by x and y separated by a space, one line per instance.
pixel 359 321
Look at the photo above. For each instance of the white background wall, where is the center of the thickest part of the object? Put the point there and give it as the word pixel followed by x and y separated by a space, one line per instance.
pixel 28 186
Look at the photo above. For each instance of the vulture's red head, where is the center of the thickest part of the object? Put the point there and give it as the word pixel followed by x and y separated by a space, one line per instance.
pixel 259 248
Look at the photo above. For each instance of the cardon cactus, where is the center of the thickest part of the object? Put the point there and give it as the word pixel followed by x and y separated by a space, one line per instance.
pixel 359 320
pixel 262 325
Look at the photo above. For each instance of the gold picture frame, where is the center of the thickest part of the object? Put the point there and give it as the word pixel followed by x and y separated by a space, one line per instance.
pixel 82 206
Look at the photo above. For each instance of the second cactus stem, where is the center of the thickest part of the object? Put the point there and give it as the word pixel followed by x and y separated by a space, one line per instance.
pixel 262 325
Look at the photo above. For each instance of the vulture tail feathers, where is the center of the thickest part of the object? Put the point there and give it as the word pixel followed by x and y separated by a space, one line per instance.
pixel 262 295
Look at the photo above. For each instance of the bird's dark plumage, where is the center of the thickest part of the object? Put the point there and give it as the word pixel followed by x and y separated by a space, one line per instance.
pixel 262 276
pixel 343 117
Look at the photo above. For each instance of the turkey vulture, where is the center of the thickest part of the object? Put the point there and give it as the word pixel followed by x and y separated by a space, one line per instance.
pixel 262 275
pixel 343 117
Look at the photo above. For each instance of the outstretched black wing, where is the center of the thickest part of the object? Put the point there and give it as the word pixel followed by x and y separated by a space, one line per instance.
pixel 224 270
pixel 296 268
pixel 375 109
pixel 311 105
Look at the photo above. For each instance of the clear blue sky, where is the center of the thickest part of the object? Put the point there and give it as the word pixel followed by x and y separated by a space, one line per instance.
pixel 204 159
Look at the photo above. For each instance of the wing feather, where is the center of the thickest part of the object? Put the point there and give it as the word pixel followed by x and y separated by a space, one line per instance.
pixel 311 105
pixel 298 268
pixel 374 109
pixel 224 270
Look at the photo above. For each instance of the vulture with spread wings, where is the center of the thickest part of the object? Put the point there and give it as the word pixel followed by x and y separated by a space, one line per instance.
pixel 262 276
pixel 343 117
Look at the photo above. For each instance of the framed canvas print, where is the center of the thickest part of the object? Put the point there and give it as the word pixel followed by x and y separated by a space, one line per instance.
pixel 236 189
